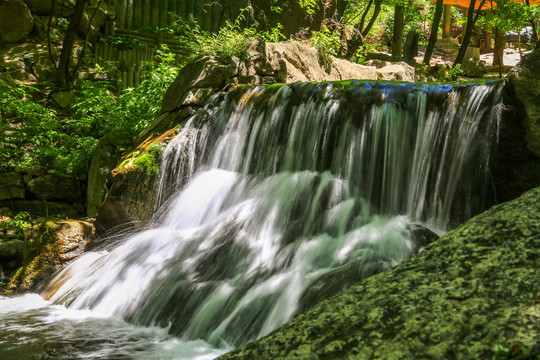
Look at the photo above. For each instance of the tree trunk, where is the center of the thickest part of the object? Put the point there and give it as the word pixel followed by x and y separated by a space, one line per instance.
pixel 376 12
pixel 397 42
pixel 63 76
pixel 533 25
pixel 471 20
pixel 358 37
pixel 341 5
pixel 498 56
pixel 433 33
pixel 447 19
pixel 360 26
pixel 519 45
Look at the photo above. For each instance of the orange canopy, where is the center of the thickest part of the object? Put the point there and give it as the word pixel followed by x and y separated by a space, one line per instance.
pixel 464 4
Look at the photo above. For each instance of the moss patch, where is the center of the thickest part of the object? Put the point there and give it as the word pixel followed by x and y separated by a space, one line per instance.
pixel 144 161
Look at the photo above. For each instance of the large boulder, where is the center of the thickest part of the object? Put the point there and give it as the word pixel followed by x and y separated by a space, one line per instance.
pixel 305 63
pixel 16 21
pixel 204 73
pixel 517 158
pixel 525 78
pixel 472 291
pixel 40 7
pixel 131 200
pixel 269 62
pixel 397 72
pixel 47 247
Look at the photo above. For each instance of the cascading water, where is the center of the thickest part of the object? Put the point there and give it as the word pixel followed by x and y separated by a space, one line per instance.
pixel 264 194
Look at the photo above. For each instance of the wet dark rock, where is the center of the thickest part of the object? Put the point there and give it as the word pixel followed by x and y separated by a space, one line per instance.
pixel 338 280
pixel 421 237
pixel 130 201
pixel 475 287
pixel 525 79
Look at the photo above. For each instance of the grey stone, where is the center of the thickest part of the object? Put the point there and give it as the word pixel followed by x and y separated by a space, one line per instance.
pixel 99 175
pixel 397 72
pixel 295 61
pixel 206 72
pixel 474 68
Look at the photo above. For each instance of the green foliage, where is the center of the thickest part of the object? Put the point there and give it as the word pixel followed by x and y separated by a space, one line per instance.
pixel 146 161
pixel 359 56
pixel 34 134
pixel 21 220
pixel 100 111
pixel 327 41
pixel 275 8
pixel 121 42
pixel 274 35
pixel 308 5
pixel 441 73
pixel 507 15
pixel 233 39
pixel 509 352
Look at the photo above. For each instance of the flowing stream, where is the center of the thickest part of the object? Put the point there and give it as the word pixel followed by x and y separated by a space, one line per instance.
pixel 265 198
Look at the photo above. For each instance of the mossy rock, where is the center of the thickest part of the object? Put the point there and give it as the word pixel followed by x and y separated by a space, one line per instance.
pixel 52 244
pixel 132 194
pixel 146 162
pixel 466 295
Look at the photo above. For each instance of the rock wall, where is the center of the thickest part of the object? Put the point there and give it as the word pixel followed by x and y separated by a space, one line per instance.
pixel 40 192
pixel 473 289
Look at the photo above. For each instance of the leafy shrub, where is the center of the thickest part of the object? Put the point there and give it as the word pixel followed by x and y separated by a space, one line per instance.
pixel 21 220
pixel 32 134
pixel 233 39
pixel 100 111
pixel 327 41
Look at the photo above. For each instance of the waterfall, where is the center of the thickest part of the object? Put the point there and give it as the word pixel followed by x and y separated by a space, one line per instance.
pixel 269 190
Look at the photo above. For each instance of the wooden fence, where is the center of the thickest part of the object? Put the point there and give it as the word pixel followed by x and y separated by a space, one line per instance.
pixel 131 61
pixel 154 14
pixel 144 20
